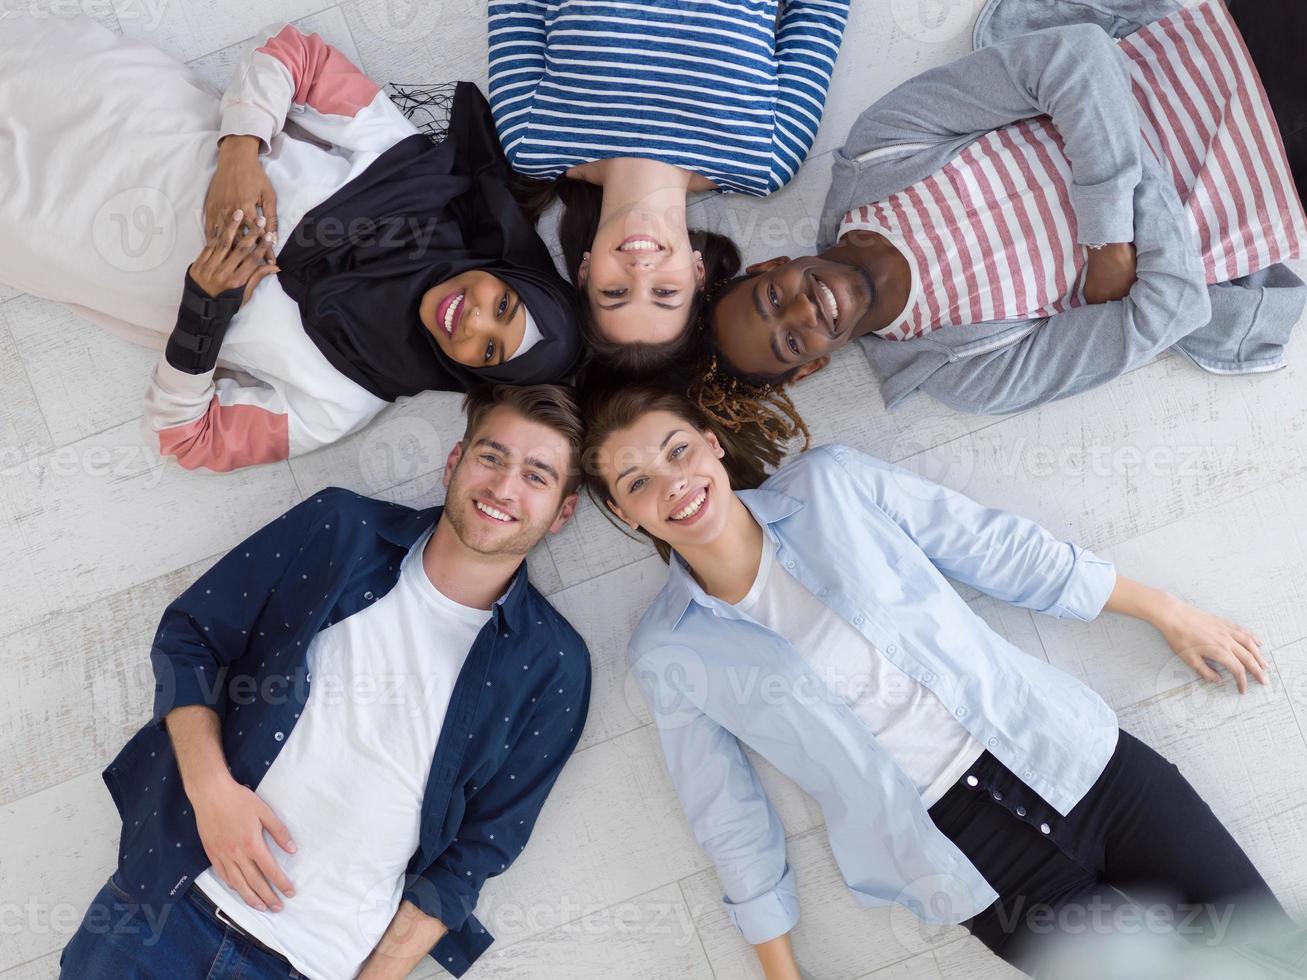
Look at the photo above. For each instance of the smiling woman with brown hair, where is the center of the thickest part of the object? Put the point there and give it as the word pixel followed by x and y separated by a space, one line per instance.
pixel 622 109
pixel 806 615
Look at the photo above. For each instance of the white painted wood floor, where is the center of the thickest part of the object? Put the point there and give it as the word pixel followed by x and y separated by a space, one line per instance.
pixel 1192 482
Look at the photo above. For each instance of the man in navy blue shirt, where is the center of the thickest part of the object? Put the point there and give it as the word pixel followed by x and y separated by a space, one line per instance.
pixel 358 715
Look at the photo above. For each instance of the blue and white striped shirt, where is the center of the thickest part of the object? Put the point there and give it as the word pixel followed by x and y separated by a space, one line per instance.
pixel 732 90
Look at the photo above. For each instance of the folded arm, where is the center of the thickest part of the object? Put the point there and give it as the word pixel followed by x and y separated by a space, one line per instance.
pixel 1075 75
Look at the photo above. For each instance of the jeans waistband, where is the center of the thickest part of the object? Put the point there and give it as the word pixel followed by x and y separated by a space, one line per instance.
pixel 208 904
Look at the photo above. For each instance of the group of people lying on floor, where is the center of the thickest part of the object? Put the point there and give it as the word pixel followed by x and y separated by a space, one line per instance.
pixel 1094 184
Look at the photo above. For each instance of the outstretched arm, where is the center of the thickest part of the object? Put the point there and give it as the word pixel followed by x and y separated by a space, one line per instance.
pixel 1196 637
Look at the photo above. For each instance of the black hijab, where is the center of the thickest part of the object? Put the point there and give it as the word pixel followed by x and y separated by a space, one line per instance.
pixel 360 262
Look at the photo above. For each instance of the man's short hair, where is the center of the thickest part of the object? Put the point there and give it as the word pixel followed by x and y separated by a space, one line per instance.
pixel 554 406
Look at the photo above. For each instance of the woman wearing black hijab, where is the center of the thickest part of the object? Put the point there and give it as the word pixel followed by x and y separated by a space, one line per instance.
pixel 346 258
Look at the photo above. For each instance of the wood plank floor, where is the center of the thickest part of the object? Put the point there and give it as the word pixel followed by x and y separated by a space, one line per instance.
pixel 1189 481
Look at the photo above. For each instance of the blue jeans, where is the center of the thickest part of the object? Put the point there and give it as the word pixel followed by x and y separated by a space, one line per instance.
pixel 121 939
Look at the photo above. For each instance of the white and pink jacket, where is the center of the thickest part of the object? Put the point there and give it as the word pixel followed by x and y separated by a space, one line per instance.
pixel 104 204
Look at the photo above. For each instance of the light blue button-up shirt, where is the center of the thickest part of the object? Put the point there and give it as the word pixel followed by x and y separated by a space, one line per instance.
pixel 873 542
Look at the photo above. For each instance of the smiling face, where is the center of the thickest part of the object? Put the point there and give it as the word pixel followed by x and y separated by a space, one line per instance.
pixel 666 477
pixel 791 314
pixel 505 485
pixel 640 277
pixel 477 319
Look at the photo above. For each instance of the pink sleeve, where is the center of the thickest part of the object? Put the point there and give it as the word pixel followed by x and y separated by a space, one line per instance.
pixel 290 74
pixel 227 437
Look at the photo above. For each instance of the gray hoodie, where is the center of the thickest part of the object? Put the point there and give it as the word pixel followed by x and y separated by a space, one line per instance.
pixel 1057 58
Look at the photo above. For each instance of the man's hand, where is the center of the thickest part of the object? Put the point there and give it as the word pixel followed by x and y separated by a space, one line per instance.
pixel 230 260
pixel 1109 273
pixel 231 819
pixel 240 184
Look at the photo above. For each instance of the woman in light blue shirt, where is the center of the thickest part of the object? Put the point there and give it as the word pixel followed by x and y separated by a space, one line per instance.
pixel 962 779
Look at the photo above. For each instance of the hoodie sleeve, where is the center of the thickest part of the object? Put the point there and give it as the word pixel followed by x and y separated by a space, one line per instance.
pixel 292 76
pixel 1075 75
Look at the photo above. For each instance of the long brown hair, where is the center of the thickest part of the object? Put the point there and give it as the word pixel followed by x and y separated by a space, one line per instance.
pixel 753 426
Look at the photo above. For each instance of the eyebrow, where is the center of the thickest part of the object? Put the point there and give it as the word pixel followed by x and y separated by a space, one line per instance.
pixel 499 447
pixel 661 446
pixel 625 302
pixel 511 318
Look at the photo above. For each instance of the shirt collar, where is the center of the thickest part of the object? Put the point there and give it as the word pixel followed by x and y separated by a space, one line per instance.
pixel 402 526
pixel 768 507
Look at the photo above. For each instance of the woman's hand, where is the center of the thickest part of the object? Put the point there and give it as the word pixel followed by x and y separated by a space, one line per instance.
pixel 231 260
pixel 1197 637
pixel 1110 273
pixel 240 183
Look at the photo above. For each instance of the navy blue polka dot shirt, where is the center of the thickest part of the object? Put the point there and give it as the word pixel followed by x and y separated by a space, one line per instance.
pixel 237 640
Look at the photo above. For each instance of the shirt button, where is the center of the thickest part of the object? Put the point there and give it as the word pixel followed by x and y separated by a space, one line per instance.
pixel 927 677
pixel 993 742
pixel 857 620
pixel 789 564
pixel 1027 774
pixel 972 781
pixel 960 712
pixel 367 595
pixel 998 795
pixel 1044 828
pixel 1021 811
pixel 279 736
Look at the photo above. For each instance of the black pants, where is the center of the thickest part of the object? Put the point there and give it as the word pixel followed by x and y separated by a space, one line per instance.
pixel 1276 34
pixel 1141 828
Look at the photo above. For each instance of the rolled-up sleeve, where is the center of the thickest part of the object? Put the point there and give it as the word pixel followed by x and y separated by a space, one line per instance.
pixel 1000 553
pixel 729 812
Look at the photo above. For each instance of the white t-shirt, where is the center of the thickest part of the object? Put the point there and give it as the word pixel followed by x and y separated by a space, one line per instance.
pixel 928 744
pixel 349 782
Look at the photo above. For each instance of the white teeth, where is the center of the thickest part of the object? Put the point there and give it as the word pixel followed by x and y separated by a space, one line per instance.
pixel 451 313
pixel 640 246
pixel 828 298
pixel 693 508
pixel 498 515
